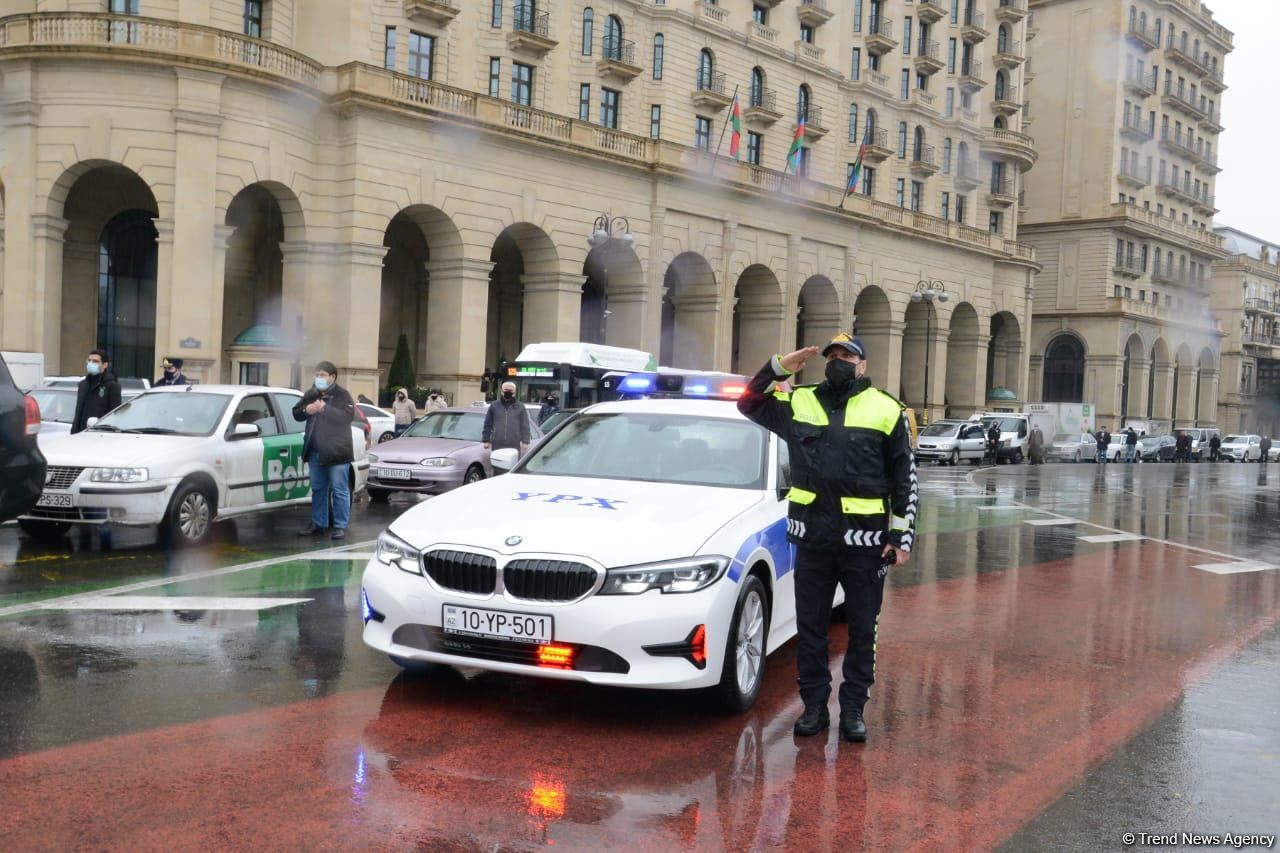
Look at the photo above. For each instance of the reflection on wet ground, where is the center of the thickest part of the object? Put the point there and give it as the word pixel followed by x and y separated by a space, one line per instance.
pixel 1059 630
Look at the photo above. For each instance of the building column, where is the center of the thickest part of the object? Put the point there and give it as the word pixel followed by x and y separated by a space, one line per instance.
pixel 1035 381
pixel 819 327
pixel 697 319
pixel 729 291
pixel 1162 395
pixel 78 315
pixel 169 330
pixel 219 367
pixel 552 307
pixel 1013 369
pixel 456 318
pixel 624 327
pixel 1102 378
pixel 1208 414
pixel 758 335
pixel 967 365
pixel 884 337
pixel 24 300
pixel 49 233
pixel 935 407
pixel 341 290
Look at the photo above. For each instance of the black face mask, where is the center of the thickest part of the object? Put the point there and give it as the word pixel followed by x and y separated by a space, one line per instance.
pixel 840 373
pixel 508 395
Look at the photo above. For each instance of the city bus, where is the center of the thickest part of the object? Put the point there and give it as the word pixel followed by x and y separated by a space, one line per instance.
pixel 573 370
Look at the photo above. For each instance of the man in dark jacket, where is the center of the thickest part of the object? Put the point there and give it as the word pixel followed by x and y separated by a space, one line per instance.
pixel 172 368
pixel 98 393
pixel 506 424
pixel 1130 444
pixel 329 450
pixel 1266 449
pixel 550 405
pixel 1215 447
pixel 851 513
pixel 1103 441
pixel 1182 448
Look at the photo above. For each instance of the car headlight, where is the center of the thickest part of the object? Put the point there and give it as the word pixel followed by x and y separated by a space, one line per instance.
pixel 1006 442
pixel 120 475
pixel 394 551
pixel 373 457
pixel 675 576
pixel 437 462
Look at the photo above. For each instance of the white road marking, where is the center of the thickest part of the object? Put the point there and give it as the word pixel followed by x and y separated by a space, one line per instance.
pixel 1113 537
pixel 1051 522
pixel 177 602
pixel 53 603
pixel 1236 567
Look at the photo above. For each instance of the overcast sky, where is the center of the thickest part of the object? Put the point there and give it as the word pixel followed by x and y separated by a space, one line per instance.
pixel 1248 188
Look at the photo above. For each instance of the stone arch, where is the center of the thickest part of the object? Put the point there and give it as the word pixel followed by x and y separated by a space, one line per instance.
pixel 1159 382
pixel 874 326
pixel 529 299
pixel 818 320
pixel 1004 355
pixel 102 260
pixel 690 308
pixel 921 388
pixel 612 300
pixel 1206 397
pixel 1184 387
pixel 1134 370
pixel 965 346
pixel 758 308
pixel 1064 367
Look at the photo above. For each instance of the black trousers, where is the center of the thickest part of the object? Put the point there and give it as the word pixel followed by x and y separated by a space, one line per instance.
pixel 817 574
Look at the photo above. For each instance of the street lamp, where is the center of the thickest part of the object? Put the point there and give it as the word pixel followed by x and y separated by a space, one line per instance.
pixel 608 227
pixel 928 290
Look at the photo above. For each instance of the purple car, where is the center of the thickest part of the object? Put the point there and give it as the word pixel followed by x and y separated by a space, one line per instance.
pixel 441 451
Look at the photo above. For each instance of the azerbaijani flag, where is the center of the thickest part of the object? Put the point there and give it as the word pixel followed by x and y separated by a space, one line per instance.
pixel 793 153
pixel 735 121
pixel 856 172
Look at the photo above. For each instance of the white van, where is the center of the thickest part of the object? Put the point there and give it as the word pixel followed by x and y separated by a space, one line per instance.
pixel 1015 434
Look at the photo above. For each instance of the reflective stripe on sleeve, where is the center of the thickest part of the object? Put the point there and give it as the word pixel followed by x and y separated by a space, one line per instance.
pixel 900 523
pixel 804 497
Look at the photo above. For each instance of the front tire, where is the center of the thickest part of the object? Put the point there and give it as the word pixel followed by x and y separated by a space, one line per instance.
pixel 378 496
pixel 190 516
pixel 474 475
pixel 44 531
pixel 955 458
pixel 745 649
pixel 385 437
pixel 1017 456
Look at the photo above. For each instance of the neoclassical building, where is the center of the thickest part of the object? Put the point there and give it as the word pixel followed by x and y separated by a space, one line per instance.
pixel 256 185
pixel 1121 207
pixel 1246 301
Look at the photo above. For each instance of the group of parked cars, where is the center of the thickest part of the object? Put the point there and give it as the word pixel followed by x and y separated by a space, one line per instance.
pixel 1083 447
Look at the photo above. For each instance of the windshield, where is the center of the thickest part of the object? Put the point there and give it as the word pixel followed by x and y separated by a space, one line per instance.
pixel 167 413
pixel 55 405
pixel 1236 439
pixel 658 448
pixel 1006 424
pixel 1065 438
pixel 460 426
pixel 940 429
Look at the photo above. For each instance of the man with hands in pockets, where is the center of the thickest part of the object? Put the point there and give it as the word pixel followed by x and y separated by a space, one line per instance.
pixel 851 513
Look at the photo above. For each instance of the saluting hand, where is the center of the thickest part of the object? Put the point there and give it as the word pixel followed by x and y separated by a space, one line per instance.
pixel 793 361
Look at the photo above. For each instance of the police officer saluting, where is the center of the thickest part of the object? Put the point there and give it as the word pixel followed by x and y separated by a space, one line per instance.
pixel 851 513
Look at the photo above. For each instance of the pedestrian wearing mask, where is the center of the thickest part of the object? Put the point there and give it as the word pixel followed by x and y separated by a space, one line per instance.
pixel 1215 447
pixel 1130 444
pixel 404 410
pixel 550 405
pixel 851 513
pixel 1103 439
pixel 506 424
pixel 173 375
pixel 329 450
pixel 97 393
pixel 436 401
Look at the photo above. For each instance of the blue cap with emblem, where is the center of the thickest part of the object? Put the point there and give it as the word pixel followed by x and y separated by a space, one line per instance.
pixel 846 342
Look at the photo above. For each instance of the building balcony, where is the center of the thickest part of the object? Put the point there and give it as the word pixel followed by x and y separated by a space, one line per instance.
pixel 530 30
pixel 1147 223
pixel 1171 278
pixel 1211 122
pixel 814 127
pixel 1208 162
pixel 1143 37
pixel 811 55
pixel 1143 85
pixel 966 176
pixel 1002 192
pixel 1265 306
pixel 1170 142
pixel 762 107
pixel 1260 340
pixel 1010 145
pixel 971 77
pixel 1135 128
pixel 923 102
pixel 1214 81
pixel 762 35
pixel 1175 190
pixel 1009 56
pixel 1006 102
pixel 879 38
pixel 1128 268
pixel 928 59
pixel 930 11
pixel 1136 307
pixel 814 12
pixel 876 80
pixel 1206 203
pixel 1181 101
pixel 1011 11
pixel 1186 60
pixel 1136 178
pixel 710 92
pixel 438 12
pixel 924 161
pixel 709 13
pixel 877 142
pixel 973 29
pixel 618 60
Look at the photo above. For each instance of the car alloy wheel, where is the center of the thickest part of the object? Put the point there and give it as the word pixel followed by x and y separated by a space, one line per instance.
pixel 193 516
pixel 474 475
pixel 955 458
pixel 749 644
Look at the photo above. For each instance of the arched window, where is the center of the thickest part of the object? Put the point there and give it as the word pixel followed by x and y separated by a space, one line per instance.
pixel 706 69
pixel 588 29
pixel 1159 26
pixel 1064 370
pixel 946 156
pixel 902 139
pixel 1002 85
pixel 127 292
pixel 853 122
pixel 1002 39
pixel 757 87
pixel 999 123
pixel 869 125
pixel 917 144
pixel 1195 48
pixel 1182 41
pixel 658 42
pixel 1133 17
pixel 613 38
pixel 1142 21
pixel 802 103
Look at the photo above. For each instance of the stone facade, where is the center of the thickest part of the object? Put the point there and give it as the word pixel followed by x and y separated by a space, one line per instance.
pixel 1246 301
pixel 357 173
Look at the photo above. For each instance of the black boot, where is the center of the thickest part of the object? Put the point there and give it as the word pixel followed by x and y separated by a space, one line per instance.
pixel 852 728
pixel 310 529
pixel 815 719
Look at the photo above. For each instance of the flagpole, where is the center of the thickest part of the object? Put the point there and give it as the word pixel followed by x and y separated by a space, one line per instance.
pixel 716 159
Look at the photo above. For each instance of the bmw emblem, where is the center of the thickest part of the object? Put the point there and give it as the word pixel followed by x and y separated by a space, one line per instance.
pixel 514 540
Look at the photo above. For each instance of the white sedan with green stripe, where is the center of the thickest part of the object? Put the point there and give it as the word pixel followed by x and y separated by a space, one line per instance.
pixel 182 458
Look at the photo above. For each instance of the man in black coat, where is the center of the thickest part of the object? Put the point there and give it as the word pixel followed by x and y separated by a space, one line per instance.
pixel 506 424
pixel 98 393
pixel 329 450
pixel 173 375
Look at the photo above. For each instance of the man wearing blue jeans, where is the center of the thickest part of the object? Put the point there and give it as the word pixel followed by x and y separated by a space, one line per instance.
pixel 329 450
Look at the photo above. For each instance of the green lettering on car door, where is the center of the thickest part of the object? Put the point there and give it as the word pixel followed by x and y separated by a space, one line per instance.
pixel 283 472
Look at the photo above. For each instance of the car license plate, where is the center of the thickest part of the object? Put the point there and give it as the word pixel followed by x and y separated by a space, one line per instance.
pixel 392 473
pixel 55 499
pixel 497 624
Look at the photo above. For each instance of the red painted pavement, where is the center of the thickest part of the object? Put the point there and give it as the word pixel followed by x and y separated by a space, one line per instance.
pixel 998 693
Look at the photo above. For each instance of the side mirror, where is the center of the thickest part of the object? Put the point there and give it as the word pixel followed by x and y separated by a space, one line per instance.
pixel 504 459
pixel 90 422
pixel 245 431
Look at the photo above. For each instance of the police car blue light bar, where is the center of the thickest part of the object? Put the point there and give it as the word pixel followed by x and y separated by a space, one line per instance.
pixel 673 384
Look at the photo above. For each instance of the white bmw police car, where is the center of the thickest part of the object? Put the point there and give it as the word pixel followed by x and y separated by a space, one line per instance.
pixel 642 543
pixel 181 457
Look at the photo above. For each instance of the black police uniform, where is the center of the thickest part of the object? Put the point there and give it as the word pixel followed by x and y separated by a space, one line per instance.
pixel 854 491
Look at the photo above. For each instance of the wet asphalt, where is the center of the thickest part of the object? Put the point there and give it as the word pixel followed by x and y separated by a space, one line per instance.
pixel 1073 653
